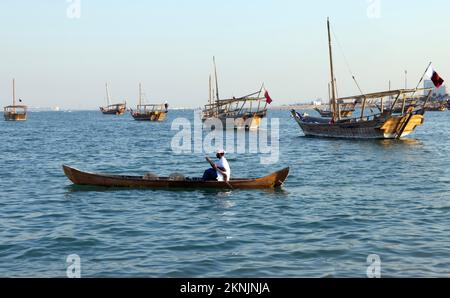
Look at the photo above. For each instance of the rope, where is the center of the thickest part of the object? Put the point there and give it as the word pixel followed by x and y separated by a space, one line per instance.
pixel 346 61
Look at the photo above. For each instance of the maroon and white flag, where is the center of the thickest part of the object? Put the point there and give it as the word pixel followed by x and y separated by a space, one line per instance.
pixel 267 96
pixel 434 77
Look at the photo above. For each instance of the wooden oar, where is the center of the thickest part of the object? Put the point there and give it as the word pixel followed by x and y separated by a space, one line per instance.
pixel 225 177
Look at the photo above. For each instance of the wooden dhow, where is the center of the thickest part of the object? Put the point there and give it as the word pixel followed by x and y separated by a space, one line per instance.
pixel 149 112
pixel 384 124
pixel 15 112
pixel 78 177
pixel 113 109
pixel 244 112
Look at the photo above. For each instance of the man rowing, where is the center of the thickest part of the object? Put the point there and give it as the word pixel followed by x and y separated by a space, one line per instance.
pixel 219 171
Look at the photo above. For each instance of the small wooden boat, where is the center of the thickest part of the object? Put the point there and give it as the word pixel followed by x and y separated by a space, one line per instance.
pixel 78 177
pixel 149 112
pixel 245 112
pixel 15 112
pixel 113 109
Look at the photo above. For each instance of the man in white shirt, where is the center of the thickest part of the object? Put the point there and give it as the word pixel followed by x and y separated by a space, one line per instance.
pixel 222 167
pixel 220 170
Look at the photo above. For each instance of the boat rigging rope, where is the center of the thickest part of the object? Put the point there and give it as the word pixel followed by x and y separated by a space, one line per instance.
pixel 348 64
pixel 346 61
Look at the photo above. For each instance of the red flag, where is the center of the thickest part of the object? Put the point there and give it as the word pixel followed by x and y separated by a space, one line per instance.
pixel 437 80
pixel 267 96
pixel 435 77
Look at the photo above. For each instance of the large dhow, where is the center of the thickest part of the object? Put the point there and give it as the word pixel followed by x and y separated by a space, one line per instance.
pixel 149 112
pixel 113 109
pixel 244 112
pixel 384 124
pixel 152 181
pixel 15 112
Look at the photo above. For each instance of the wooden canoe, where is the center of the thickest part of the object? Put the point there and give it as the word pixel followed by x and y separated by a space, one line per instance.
pixel 78 177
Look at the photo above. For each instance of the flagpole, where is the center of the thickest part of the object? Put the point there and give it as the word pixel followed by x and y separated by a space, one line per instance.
pixel 421 79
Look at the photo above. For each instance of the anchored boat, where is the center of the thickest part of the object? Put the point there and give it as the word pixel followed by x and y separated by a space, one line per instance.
pixel 436 106
pixel 346 110
pixel 245 112
pixel 149 112
pixel 113 109
pixel 15 112
pixel 384 124
pixel 78 177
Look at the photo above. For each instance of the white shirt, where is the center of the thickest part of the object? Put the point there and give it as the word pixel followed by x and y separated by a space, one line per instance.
pixel 223 163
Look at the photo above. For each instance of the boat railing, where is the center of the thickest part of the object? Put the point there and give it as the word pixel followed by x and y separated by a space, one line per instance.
pixel 149 108
pixel 15 109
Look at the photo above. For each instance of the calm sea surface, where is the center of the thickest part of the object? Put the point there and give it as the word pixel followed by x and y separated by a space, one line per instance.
pixel 343 201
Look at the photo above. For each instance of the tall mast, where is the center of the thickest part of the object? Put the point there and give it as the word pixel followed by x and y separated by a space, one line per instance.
pixel 333 85
pixel 210 93
pixel 140 94
pixel 217 83
pixel 14 92
pixel 107 94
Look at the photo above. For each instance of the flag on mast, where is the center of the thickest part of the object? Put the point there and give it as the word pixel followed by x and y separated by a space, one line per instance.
pixel 267 96
pixel 434 77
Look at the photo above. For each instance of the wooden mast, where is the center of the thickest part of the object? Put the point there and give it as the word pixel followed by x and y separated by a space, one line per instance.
pixel 210 92
pixel 217 83
pixel 333 85
pixel 140 96
pixel 14 92
pixel 107 95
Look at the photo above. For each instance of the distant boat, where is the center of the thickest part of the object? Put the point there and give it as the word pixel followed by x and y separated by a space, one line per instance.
pixel 149 112
pixel 436 106
pixel 15 112
pixel 382 125
pixel 346 110
pixel 113 109
pixel 245 112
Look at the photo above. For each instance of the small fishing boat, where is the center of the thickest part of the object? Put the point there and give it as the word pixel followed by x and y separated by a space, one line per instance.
pixel 244 112
pixel 78 177
pixel 15 112
pixel 149 112
pixel 113 109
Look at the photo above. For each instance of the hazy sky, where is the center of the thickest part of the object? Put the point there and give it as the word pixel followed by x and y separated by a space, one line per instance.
pixel 168 46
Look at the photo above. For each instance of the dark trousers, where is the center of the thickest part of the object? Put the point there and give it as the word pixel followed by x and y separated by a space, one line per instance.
pixel 210 175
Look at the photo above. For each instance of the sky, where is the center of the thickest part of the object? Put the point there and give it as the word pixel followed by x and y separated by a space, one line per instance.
pixel 59 59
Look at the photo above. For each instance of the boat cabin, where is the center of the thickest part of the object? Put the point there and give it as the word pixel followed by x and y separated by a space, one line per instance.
pixel 15 113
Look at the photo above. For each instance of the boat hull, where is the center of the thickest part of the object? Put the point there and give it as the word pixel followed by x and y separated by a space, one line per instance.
pixel 15 116
pixel 78 177
pixel 391 127
pixel 247 123
pixel 117 110
pixel 150 116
